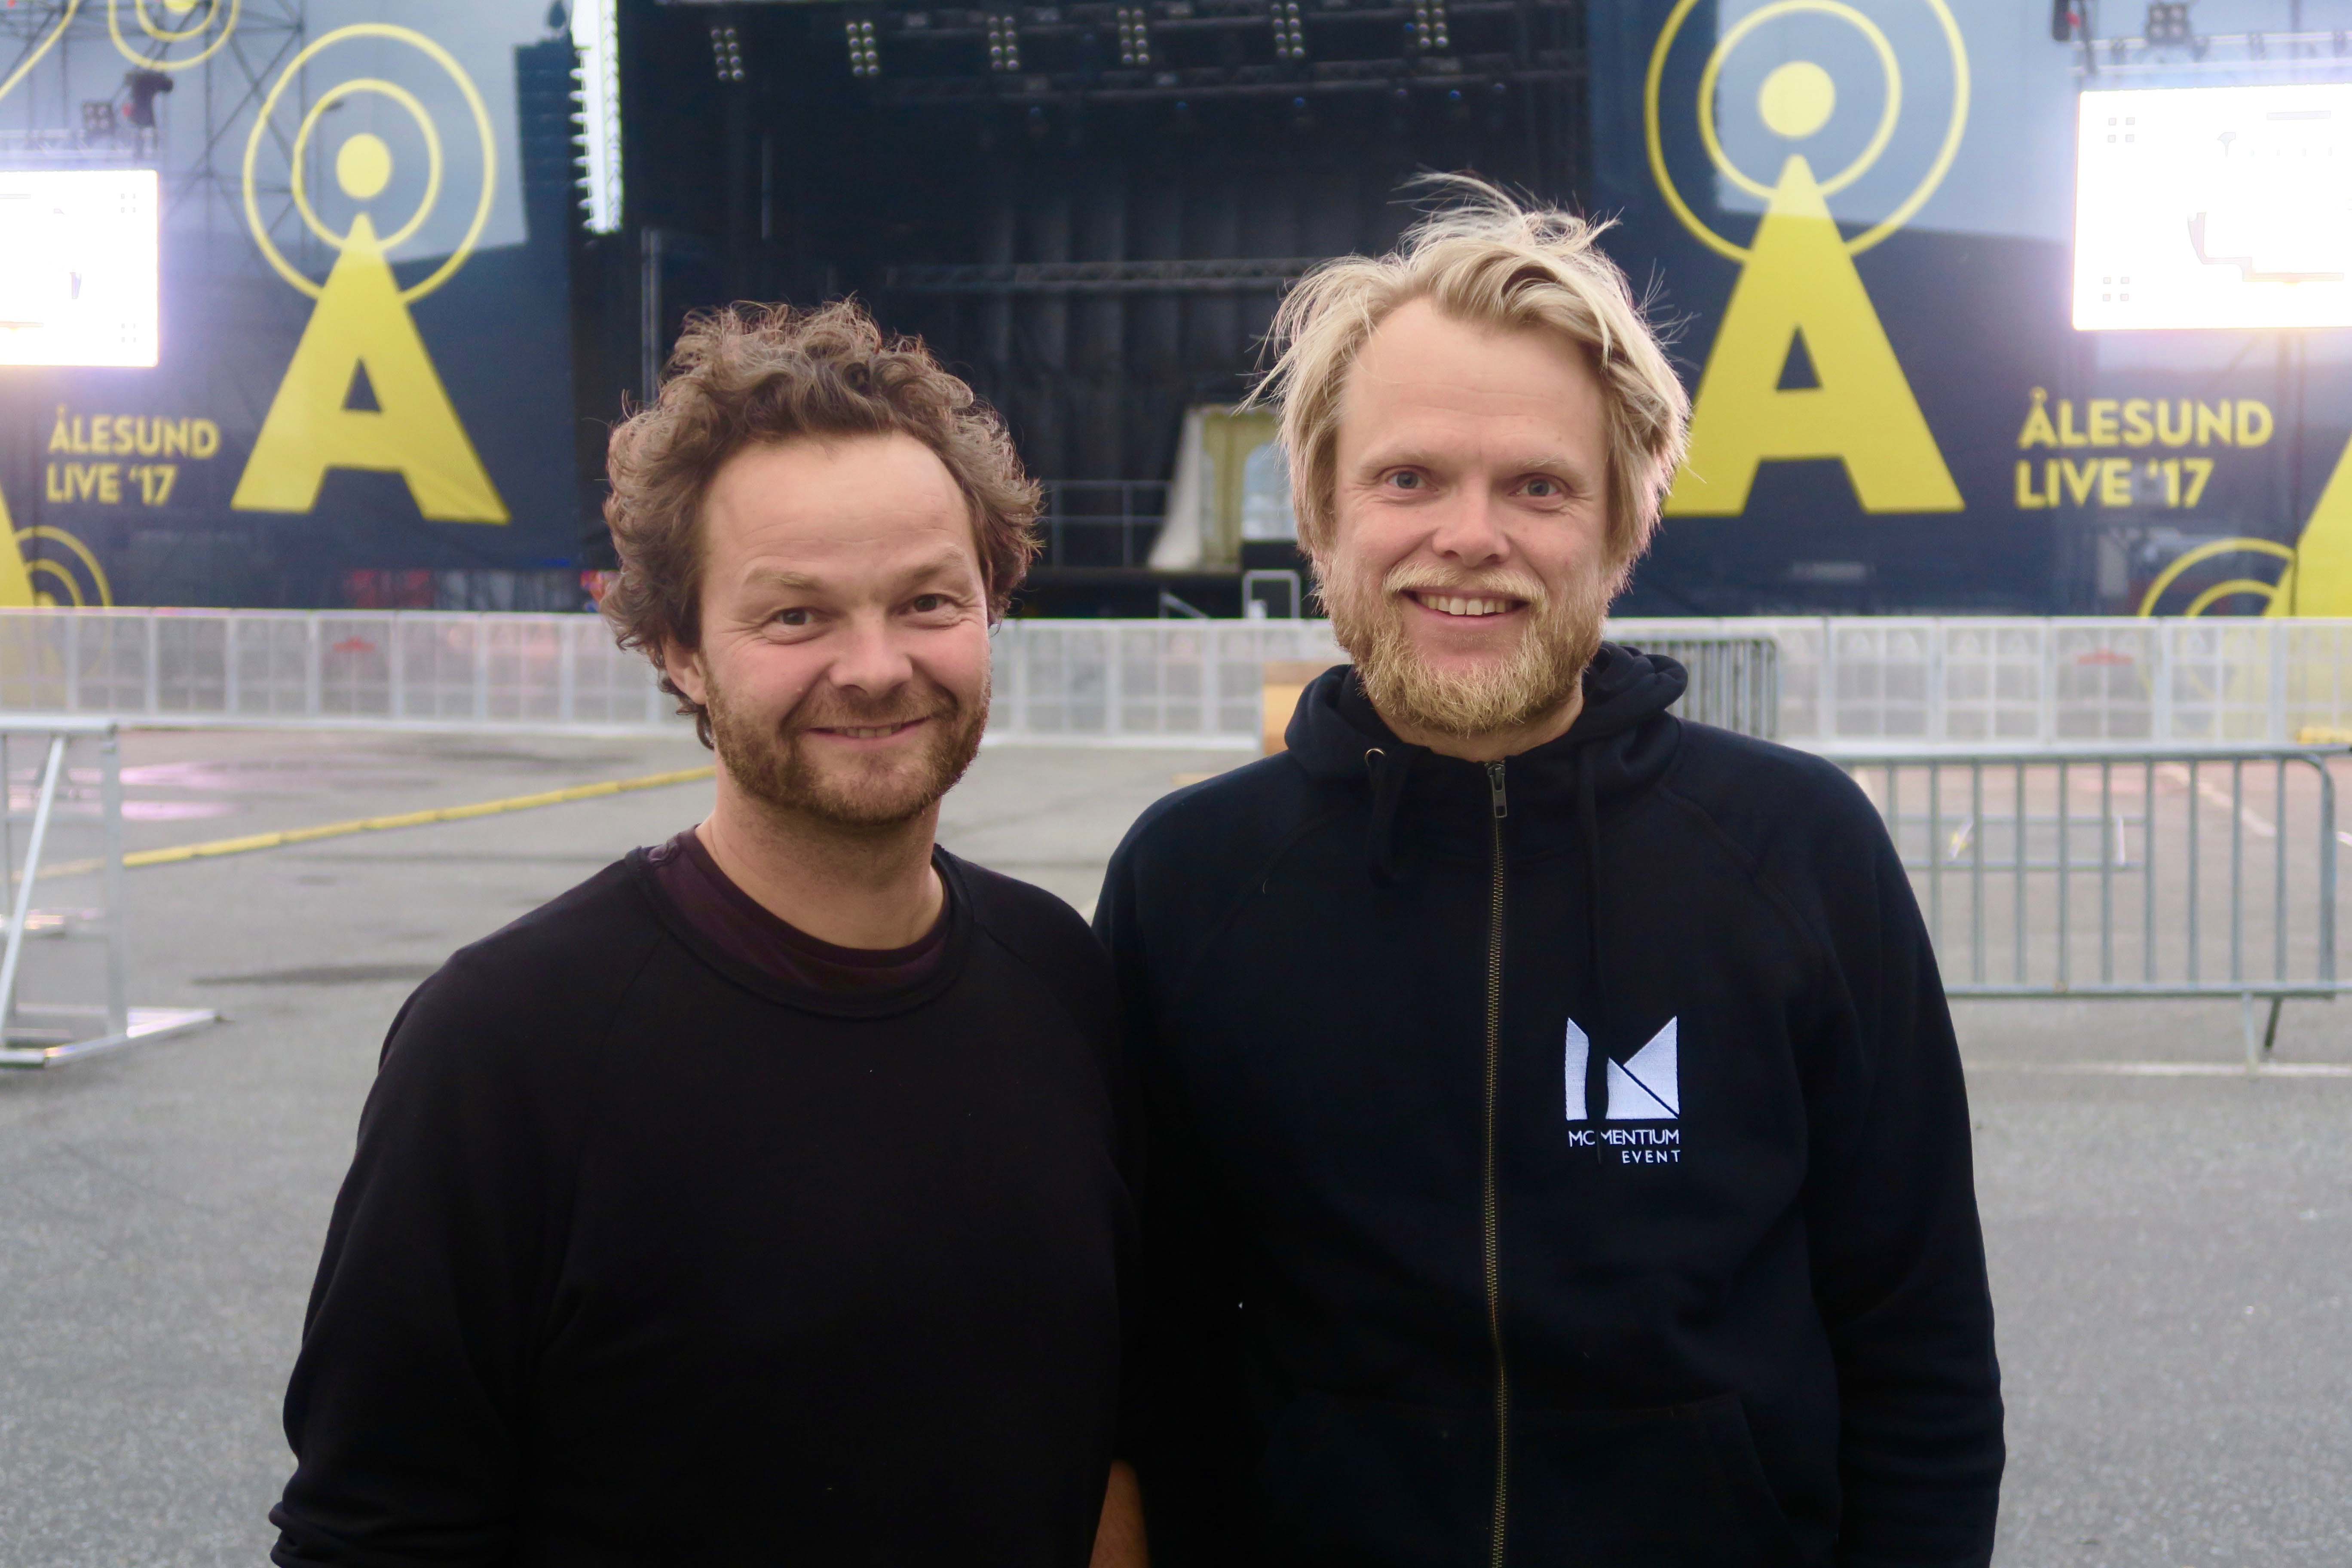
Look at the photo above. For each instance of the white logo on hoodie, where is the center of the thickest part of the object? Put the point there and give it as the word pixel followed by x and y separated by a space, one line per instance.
pixel 1646 1087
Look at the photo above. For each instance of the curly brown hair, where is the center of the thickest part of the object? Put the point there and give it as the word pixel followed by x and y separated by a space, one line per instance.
pixel 758 375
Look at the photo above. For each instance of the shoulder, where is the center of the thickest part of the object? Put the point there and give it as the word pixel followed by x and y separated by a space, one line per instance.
pixel 1041 933
pixel 1765 795
pixel 542 985
pixel 1803 826
pixel 1236 819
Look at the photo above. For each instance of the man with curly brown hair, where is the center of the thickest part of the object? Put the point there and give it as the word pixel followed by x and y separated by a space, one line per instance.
pixel 768 1196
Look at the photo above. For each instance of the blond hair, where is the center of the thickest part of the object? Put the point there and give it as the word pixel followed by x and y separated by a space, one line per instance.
pixel 1492 262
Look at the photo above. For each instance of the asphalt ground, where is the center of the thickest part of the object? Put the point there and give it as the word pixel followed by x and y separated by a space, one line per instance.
pixel 2169 1253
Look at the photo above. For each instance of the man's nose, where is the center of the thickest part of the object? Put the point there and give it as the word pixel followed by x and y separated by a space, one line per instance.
pixel 1469 529
pixel 870 658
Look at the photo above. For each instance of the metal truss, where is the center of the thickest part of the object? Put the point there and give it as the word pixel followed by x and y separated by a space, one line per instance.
pixel 56 58
pixel 1238 276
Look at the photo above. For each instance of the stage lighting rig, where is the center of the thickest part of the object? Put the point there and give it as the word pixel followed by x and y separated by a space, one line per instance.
pixel 865 59
pixel 726 52
pixel 1429 31
pixel 1104 53
pixel 1289 34
pixel 1003 42
pixel 1134 35
pixel 595 34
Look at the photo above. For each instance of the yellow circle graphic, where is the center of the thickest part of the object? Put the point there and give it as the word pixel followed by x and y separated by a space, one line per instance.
pixel 167 36
pixel 37 566
pixel 362 159
pixel 363 166
pixel 1797 100
pixel 261 122
pixel 1749 24
pixel 2206 552
pixel 1794 99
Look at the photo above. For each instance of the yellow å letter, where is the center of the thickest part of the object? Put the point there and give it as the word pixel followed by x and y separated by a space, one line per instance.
pixel 413 431
pixel 1799 278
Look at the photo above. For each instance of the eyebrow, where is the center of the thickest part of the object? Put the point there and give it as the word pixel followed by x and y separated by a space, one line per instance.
pixel 945 561
pixel 1408 457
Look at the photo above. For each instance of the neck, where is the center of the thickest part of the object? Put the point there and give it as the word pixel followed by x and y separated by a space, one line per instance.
pixel 853 888
pixel 1495 744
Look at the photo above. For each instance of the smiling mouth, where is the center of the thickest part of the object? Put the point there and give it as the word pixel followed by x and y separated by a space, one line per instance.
pixel 866 732
pixel 1464 606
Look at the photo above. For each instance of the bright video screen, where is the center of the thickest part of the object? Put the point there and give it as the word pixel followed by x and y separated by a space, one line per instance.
pixel 78 267
pixel 2217 207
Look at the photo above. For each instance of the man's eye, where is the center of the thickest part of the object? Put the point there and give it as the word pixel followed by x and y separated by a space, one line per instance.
pixel 927 604
pixel 1406 479
pixel 791 617
pixel 1544 490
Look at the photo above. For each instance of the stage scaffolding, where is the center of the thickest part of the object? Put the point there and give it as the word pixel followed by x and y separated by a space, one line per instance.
pixel 77 77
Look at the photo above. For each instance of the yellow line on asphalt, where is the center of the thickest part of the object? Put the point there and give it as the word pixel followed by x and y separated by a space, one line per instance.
pixel 217 847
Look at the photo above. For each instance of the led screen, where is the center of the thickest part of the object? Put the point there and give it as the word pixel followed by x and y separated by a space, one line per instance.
pixel 2219 206
pixel 78 267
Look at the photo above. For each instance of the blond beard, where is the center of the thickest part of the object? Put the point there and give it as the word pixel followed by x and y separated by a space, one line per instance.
pixel 1539 676
pixel 769 763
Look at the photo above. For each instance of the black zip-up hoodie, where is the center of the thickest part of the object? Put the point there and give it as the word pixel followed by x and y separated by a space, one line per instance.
pixel 1556 1161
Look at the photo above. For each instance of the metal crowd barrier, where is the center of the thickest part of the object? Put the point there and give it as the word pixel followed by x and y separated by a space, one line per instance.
pixel 1901 680
pixel 1201 683
pixel 63 777
pixel 371 668
pixel 2121 871
pixel 1986 680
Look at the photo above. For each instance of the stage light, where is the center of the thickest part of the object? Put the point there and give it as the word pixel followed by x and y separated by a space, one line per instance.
pixel 1427 31
pixel 1290 33
pixel 596 36
pixel 2167 22
pixel 144 87
pixel 864 58
pixel 78 267
pixel 726 52
pixel 1003 42
pixel 1134 35
pixel 2063 21
pixel 2220 207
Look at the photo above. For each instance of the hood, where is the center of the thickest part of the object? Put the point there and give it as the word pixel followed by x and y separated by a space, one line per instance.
pixel 1621 743
pixel 1622 740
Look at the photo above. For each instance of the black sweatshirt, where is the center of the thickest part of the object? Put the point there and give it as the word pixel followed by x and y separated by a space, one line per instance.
pixel 646 1258
pixel 1430 1280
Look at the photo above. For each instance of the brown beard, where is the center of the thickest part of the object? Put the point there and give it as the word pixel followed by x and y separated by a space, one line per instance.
pixel 1537 677
pixel 773 766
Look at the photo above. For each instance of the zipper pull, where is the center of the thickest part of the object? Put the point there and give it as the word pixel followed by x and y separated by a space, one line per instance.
pixel 1494 785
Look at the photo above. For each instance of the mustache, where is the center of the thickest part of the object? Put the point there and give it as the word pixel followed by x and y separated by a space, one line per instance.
pixel 1422 577
pixel 830 707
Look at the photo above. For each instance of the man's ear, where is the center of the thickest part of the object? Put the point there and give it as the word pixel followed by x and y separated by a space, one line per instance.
pixel 682 665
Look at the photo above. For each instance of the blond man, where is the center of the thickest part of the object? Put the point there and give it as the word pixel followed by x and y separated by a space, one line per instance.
pixel 1559 1152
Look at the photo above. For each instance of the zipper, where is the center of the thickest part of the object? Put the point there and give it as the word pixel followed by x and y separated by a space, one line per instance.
pixel 1491 1210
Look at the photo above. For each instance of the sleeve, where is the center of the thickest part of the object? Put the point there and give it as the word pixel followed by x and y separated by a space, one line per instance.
pixel 1898 1254
pixel 410 1390
pixel 1185 1411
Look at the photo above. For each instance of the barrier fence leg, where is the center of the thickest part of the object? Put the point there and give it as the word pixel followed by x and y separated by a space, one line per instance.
pixel 2253 1041
pixel 52 769
pixel 2269 1032
pixel 118 990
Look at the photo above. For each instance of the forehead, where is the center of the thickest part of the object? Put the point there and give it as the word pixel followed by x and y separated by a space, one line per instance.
pixel 833 504
pixel 1425 376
